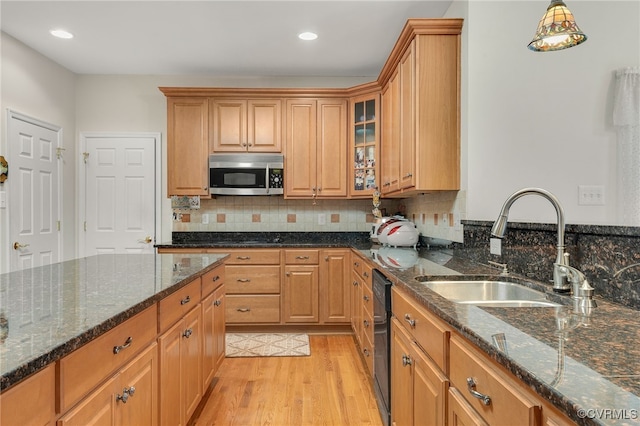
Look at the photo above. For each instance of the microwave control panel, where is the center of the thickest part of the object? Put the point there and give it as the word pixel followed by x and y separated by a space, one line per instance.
pixel 276 178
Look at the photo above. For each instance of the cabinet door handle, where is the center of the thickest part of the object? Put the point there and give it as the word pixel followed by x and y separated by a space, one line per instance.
pixel 355 283
pixel 124 397
pixel 187 333
pixel 243 309
pixel 326 258
pixel 243 257
pixel 127 343
pixel 131 390
pixel 244 280
pixel 406 360
pixel 471 387
pixel 366 323
pixel 366 351
pixel 365 298
pixel 302 257
pixel 216 278
pixel 356 264
pixel 218 302
pixel 185 300
pixel 408 319
pixel 366 275
pixel 408 175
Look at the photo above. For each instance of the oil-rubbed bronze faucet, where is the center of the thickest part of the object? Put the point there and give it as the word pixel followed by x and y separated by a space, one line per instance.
pixel 565 277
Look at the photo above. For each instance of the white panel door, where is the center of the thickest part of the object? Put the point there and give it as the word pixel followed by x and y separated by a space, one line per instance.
pixel 33 192
pixel 120 193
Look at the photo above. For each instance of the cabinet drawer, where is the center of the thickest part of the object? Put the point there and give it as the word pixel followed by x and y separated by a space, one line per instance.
pixel 252 309
pixel 253 279
pixel 86 367
pixel 428 332
pixel 357 263
pixel 176 305
pixel 367 353
pixel 253 257
pixel 212 280
pixel 507 403
pixel 301 257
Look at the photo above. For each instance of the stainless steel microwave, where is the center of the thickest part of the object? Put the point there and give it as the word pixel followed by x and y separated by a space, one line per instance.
pixel 246 174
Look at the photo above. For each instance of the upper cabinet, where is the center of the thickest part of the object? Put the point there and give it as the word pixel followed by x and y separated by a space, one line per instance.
pixel 316 148
pixel 421 109
pixel 364 145
pixel 240 125
pixel 187 146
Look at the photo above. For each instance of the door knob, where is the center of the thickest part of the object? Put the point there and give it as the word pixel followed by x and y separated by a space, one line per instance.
pixel 147 240
pixel 18 246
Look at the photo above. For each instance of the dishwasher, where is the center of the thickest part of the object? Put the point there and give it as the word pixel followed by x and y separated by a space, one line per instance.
pixel 382 344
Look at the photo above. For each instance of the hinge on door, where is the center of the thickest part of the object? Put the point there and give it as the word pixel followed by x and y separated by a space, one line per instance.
pixel 58 225
pixel 85 226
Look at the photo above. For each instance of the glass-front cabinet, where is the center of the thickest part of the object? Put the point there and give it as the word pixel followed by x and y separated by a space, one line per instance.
pixel 365 142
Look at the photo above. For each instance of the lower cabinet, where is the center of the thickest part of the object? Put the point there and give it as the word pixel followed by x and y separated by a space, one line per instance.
pixel 418 387
pixel 127 398
pixel 335 296
pixel 32 401
pixel 181 369
pixel 301 286
pixel 213 350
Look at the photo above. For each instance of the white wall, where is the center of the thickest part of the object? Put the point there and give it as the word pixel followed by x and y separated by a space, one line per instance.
pixel 542 119
pixel 38 87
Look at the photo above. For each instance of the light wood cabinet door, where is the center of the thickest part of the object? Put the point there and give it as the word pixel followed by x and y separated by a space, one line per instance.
pixel 401 377
pixel 390 143
pixel 32 401
pixel 316 148
pixel 356 305
pixel 213 335
pixel 331 151
pixel 240 125
pixel 430 388
pixel 140 379
pixel 407 118
pixel 300 295
pixel 460 413
pixel 192 361
pixel 181 369
pixel 335 289
pixel 229 125
pixel 187 146
pixel 300 140
pixel 97 409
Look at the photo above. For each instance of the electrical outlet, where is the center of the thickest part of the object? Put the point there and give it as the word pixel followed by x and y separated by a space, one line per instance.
pixel 495 246
pixel 205 218
pixel 445 218
pixel 591 195
pixel 322 219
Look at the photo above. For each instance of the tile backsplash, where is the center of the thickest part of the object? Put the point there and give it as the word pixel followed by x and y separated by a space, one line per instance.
pixel 275 214
pixel 436 215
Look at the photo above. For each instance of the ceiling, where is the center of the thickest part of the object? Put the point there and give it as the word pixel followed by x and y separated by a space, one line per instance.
pixel 216 38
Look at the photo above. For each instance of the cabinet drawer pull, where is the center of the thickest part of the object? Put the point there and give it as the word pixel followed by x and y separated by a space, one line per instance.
pixel 244 280
pixel 217 302
pixel 408 175
pixel 127 343
pixel 243 257
pixel 187 333
pixel 130 390
pixel 302 257
pixel 365 274
pixel 406 360
pixel 243 309
pixel 365 298
pixel 216 278
pixel 366 352
pixel 355 283
pixel 356 264
pixel 408 319
pixel 124 397
pixel 185 300
pixel 366 323
pixel 471 387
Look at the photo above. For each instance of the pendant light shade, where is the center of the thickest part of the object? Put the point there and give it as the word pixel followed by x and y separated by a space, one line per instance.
pixel 557 29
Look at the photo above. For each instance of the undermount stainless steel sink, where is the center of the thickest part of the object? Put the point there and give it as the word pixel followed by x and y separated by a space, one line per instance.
pixel 488 293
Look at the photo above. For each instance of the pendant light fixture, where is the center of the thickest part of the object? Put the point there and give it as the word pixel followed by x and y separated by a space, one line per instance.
pixel 557 29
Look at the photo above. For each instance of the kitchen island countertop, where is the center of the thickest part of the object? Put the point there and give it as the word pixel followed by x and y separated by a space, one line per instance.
pixel 49 311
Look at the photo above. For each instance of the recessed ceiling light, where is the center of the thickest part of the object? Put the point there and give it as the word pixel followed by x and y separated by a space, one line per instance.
pixel 307 36
pixel 61 33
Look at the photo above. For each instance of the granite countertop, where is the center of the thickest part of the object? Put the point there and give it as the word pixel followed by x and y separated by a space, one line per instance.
pixel 47 312
pixel 592 364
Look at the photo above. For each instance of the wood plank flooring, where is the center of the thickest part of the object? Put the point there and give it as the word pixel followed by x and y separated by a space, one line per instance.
pixel 330 387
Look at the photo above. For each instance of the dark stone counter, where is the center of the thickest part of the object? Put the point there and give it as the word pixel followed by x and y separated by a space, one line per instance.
pixel 50 311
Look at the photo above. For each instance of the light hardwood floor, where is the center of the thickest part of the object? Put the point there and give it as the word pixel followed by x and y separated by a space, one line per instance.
pixel 330 387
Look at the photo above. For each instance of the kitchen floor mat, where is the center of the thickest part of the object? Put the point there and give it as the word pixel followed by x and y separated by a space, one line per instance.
pixel 267 344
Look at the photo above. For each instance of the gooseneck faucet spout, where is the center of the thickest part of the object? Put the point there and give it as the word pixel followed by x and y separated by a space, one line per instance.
pixel 560 282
